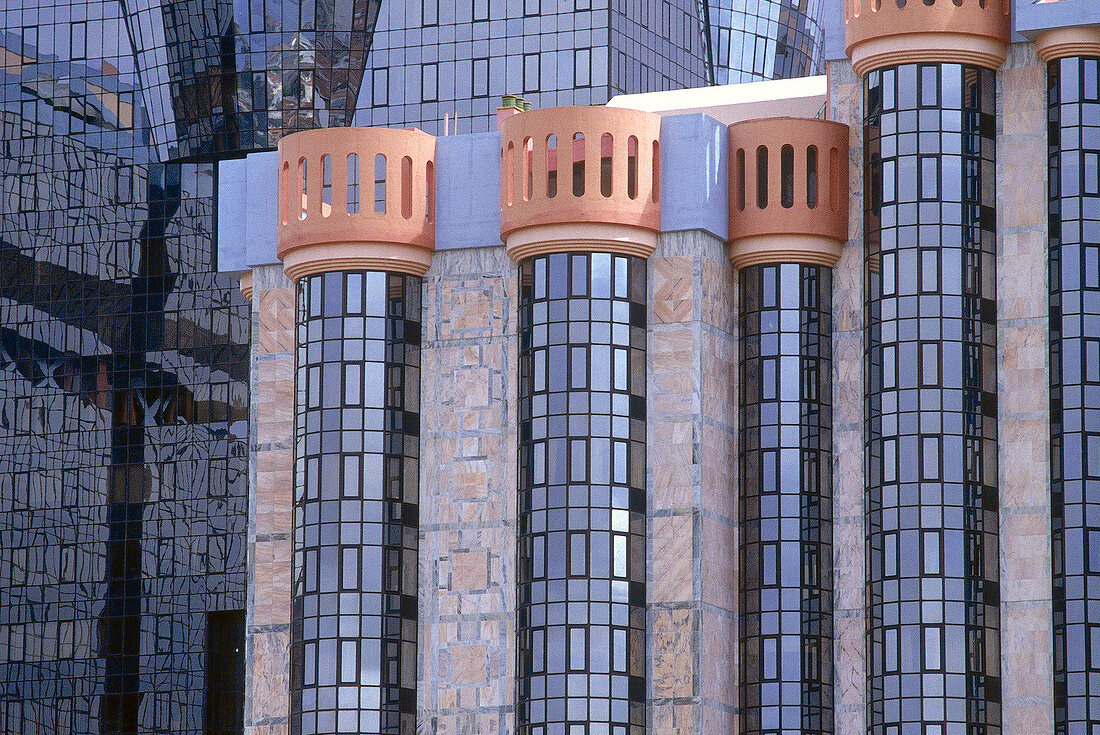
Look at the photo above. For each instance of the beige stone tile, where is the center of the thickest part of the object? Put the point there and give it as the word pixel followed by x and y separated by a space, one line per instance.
pixel 270 693
pixel 672 640
pixel 675 719
pixel 468 664
pixel 718 651
pixel 1024 103
pixel 672 577
pixel 276 316
pixel 469 571
pixel 719 563
pixel 673 289
pixel 1022 274
pixel 1025 649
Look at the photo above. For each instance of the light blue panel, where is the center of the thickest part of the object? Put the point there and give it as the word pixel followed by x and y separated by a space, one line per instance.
pixel 467 191
pixel 247 211
pixel 832 19
pixel 1030 18
pixel 232 250
pixel 695 174
pixel 262 207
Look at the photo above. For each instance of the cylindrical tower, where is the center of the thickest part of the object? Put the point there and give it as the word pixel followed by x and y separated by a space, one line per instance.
pixel 788 222
pixel 581 225
pixel 1073 58
pixel 931 443
pixel 356 233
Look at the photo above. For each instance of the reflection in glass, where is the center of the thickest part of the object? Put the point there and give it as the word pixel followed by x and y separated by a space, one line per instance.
pixel 766 39
pixel 560 53
pixel 581 577
pixel 356 495
pixel 786 499
pixel 933 598
pixel 123 399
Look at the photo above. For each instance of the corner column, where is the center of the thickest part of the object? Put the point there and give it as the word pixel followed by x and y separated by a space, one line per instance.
pixel 357 255
pixel 933 567
pixel 788 223
pixel 580 215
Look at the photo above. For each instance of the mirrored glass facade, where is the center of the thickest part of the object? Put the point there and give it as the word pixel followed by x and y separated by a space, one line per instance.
pixel 1074 208
pixel 219 76
pixel 124 392
pixel 432 58
pixel 353 616
pixel 932 546
pixel 785 571
pixel 763 39
pixel 581 599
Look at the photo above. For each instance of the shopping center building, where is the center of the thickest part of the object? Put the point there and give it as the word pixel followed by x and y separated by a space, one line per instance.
pixel 768 409
pixel 728 410
pixel 124 353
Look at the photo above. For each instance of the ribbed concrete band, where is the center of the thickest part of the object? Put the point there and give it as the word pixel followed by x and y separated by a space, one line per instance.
pixel 1061 43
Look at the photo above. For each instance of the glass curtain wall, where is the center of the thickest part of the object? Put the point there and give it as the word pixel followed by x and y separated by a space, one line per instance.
pixel 124 355
pixel 767 39
pixel 1074 117
pixel 932 552
pixel 582 543
pixel 433 59
pixel 123 397
pixel 786 500
pixel 354 606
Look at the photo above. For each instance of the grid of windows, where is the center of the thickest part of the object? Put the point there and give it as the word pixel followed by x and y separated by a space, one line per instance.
pixel 1074 116
pixel 123 398
pixel 932 565
pixel 356 493
pixel 765 39
pixel 786 500
pixel 540 48
pixel 582 543
pixel 225 76
pixel 553 53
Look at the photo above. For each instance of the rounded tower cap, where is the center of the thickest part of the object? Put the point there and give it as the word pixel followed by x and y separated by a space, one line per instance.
pixel 356 199
pixel 881 33
pixel 580 179
pixel 788 191
pixel 1059 43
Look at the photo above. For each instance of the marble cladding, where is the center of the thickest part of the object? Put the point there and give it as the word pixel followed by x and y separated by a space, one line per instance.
pixel 270 504
pixel 849 622
pixel 1023 395
pixel 468 476
pixel 468 409
pixel 692 581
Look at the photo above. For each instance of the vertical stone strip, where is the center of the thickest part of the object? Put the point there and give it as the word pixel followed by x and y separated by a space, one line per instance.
pixel 468 494
pixel 849 579
pixel 692 487
pixel 1022 378
pixel 271 490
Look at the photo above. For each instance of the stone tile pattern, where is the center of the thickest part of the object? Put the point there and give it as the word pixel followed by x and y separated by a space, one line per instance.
pixel 692 494
pixel 270 500
pixel 1023 385
pixel 849 622
pixel 468 494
